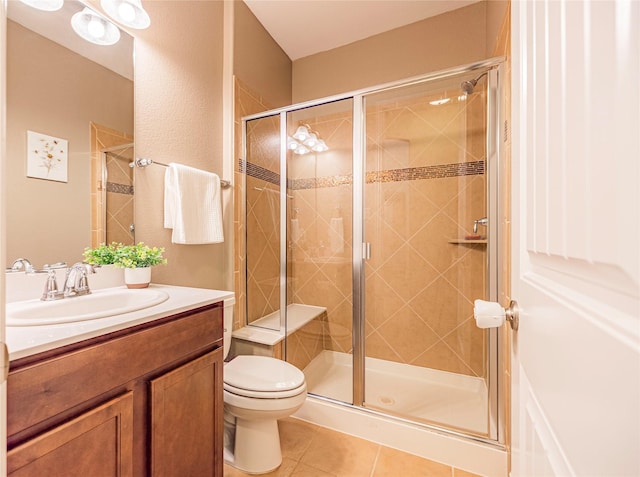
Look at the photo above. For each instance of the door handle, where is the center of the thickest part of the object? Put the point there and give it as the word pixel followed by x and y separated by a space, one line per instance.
pixel 5 362
pixel 366 250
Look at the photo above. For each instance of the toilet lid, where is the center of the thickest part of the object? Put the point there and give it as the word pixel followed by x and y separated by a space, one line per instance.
pixel 262 373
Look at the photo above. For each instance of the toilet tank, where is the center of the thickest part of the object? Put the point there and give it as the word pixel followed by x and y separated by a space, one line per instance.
pixel 228 324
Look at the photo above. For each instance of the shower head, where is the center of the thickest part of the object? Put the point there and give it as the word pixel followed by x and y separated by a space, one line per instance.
pixel 468 86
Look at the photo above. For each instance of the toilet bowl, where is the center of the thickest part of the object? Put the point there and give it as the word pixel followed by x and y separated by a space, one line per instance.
pixel 258 390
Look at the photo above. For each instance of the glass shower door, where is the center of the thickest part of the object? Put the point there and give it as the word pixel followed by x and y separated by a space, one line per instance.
pixel 369 253
pixel 262 222
pixel 319 247
pixel 425 209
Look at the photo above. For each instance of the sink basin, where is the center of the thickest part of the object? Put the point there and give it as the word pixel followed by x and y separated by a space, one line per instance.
pixel 99 304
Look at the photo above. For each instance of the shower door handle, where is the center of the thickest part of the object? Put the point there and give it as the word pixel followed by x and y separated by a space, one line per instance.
pixel 366 251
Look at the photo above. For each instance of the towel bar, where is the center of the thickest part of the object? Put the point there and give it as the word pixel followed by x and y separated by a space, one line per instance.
pixel 144 162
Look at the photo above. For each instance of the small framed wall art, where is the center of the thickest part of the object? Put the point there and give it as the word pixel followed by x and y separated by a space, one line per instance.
pixel 47 157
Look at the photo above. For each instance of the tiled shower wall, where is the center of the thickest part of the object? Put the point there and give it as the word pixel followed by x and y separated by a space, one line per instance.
pixel 110 221
pixel 246 103
pixel 320 237
pixel 263 218
pixel 425 185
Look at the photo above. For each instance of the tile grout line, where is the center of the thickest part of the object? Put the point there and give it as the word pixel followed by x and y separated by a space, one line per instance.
pixel 375 461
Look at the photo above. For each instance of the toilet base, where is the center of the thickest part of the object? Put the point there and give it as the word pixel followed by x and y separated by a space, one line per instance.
pixel 257 446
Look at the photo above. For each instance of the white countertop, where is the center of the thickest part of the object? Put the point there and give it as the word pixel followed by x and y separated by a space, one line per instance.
pixel 27 340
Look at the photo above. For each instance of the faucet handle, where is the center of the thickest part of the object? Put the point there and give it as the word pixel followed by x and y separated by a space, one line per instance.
pixel 85 267
pixel 55 265
pixel 76 282
pixel 51 291
pixel 483 221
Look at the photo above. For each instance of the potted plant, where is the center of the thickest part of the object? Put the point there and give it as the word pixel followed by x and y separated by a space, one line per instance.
pixel 136 260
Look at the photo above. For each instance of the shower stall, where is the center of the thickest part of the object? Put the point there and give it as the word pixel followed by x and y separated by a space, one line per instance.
pixel 114 220
pixel 370 222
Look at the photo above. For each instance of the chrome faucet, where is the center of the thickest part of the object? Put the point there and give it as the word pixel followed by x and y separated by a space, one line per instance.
pixel 21 264
pixel 51 291
pixel 76 282
pixel 483 221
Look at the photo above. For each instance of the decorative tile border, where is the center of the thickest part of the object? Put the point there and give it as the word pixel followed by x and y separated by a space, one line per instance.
pixel 258 172
pixel 319 182
pixel 119 188
pixel 456 169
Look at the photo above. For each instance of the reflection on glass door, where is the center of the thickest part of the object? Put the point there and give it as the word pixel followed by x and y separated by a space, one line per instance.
pixel 425 220
pixel 319 247
pixel 118 195
pixel 262 222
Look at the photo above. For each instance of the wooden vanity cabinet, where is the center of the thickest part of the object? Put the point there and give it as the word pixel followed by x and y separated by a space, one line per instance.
pixel 144 401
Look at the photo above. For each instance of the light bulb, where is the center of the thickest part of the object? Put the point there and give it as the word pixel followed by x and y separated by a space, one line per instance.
pixel 320 147
pixel 301 150
pixel 301 134
pixel 44 5
pixel 292 144
pixel 438 102
pixel 126 12
pixel 311 141
pixel 95 27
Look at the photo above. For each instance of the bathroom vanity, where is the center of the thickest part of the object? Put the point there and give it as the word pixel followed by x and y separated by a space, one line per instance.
pixel 141 399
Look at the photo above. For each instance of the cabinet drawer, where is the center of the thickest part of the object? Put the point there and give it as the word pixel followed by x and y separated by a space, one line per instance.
pixel 98 443
pixel 44 389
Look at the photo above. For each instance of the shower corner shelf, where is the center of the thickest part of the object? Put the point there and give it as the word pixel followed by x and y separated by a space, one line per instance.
pixel 463 241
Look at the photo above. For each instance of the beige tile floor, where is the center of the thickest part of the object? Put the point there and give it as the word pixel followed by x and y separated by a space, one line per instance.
pixel 313 451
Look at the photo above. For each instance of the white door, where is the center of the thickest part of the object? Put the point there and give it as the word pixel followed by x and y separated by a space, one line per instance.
pixel 576 235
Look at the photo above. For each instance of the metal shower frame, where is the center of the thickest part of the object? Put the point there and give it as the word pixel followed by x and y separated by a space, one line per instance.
pixel 494 169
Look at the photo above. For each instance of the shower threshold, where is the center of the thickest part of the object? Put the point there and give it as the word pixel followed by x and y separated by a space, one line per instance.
pixel 411 392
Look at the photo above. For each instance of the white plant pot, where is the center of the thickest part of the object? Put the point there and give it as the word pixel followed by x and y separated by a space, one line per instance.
pixel 137 277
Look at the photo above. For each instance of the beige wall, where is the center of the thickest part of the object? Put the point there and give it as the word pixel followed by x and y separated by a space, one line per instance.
pixel 54 91
pixel 179 114
pixel 178 103
pixel 258 60
pixel 451 39
pixel 497 13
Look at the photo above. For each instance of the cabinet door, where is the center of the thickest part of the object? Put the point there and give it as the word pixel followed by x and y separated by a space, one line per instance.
pixel 97 443
pixel 186 419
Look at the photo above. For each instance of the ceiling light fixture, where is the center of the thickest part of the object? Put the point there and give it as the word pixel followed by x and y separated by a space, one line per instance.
pixel 95 28
pixel 305 140
pixel 127 12
pixel 439 102
pixel 45 5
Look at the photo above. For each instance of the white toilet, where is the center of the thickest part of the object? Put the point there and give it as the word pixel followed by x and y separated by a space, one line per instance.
pixel 258 390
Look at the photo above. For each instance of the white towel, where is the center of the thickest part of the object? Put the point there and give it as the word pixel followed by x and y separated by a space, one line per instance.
pixel 336 236
pixel 192 205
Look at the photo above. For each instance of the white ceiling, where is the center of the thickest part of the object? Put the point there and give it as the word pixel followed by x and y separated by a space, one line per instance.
pixel 305 27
